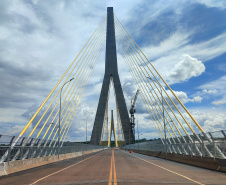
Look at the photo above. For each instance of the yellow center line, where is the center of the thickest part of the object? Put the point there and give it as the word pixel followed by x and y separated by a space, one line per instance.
pixel 115 180
pixel 111 171
pixel 110 176
pixel 169 170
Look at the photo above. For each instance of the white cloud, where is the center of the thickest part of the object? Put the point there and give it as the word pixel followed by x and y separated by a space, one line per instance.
pixel 180 94
pixel 213 3
pixel 219 120
pixel 179 43
pixel 197 99
pixel 211 91
pixel 209 49
pixel 220 102
pixel 165 55
pixel 210 119
pixel 183 97
pixel 186 68
pixel 169 45
pixel 216 90
pixel 215 87
pixel 33 40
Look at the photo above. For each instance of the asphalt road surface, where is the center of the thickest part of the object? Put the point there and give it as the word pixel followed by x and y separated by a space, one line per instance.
pixel 114 167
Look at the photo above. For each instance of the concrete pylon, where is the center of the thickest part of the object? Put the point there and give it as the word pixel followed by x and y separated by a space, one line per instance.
pixel 112 129
pixel 111 74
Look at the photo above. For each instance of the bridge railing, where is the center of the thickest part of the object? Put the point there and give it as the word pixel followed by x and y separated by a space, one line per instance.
pixel 214 146
pixel 37 148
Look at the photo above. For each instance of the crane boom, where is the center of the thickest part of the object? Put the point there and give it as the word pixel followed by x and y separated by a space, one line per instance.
pixel 135 98
pixel 132 111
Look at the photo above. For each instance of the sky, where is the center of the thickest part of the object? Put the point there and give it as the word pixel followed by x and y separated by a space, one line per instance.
pixel 185 41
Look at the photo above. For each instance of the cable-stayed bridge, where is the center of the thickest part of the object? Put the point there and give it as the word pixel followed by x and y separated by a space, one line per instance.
pixel 48 128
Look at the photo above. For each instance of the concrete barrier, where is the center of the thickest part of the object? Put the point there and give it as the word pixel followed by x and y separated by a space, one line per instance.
pixel 200 161
pixel 20 165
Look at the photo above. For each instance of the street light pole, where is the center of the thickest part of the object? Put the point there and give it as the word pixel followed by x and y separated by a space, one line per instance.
pixel 59 118
pixel 163 114
pixel 86 128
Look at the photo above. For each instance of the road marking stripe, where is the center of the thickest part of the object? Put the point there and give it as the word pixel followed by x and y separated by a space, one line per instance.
pixel 167 169
pixel 115 180
pixel 111 171
pixel 62 169
pixel 110 176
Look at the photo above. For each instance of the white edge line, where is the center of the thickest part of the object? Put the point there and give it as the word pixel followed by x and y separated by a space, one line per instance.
pixel 62 169
pixel 166 169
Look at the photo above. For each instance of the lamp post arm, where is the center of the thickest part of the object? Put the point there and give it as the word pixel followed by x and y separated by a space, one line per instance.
pixel 59 117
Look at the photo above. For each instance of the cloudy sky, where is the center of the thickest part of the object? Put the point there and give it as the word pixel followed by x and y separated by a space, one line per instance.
pixel 185 41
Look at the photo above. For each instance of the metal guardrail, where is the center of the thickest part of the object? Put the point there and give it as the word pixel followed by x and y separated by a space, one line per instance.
pixel 214 146
pixel 26 148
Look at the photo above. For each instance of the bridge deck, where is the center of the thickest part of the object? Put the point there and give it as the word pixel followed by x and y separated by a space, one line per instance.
pixel 118 167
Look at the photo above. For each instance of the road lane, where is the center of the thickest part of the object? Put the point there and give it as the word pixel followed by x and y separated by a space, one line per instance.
pixel 88 171
pixel 142 169
pixel 116 167
pixel 91 171
pixel 62 175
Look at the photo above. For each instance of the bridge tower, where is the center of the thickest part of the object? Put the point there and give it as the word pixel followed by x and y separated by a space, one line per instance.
pixel 111 75
pixel 112 130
